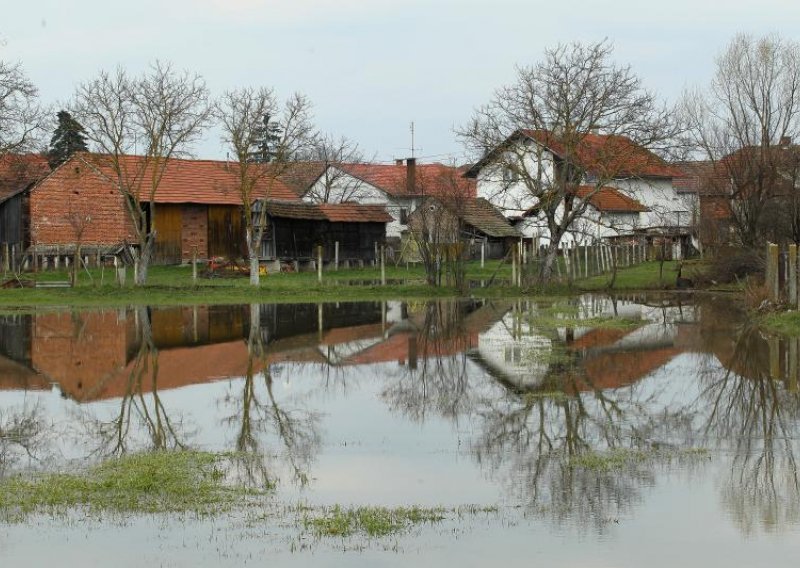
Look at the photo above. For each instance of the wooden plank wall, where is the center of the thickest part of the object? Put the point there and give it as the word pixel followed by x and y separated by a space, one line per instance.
pixel 168 223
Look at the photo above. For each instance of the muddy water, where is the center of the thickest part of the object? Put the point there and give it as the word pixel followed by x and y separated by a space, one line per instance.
pixel 428 403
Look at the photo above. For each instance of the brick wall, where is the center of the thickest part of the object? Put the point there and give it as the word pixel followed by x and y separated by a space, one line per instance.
pixel 194 231
pixel 72 196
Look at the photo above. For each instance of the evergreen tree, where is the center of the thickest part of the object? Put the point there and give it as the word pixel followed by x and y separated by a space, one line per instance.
pixel 69 137
pixel 268 136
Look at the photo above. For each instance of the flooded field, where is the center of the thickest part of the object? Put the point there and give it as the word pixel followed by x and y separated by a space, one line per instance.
pixel 593 431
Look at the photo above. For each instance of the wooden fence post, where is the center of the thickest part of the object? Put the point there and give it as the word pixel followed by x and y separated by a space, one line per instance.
pixel 383 265
pixel 483 252
pixel 514 264
pixel 6 260
pixel 791 275
pixel 336 255
pixel 772 272
pixel 319 264
pixel 194 266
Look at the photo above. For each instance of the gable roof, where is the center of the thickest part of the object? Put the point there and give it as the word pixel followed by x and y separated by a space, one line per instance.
pixel 485 217
pixel 204 182
pixel 692 175
pixel 333 212
pixel 431 179
pixel 607 155
pixel 19 171
pixel 610 200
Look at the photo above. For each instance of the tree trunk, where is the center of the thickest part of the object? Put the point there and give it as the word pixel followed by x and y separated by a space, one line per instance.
pixel 252 255
pixel 550 258
pixel 142 263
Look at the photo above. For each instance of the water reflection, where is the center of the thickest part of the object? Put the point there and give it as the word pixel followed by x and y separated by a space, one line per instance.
pixel 534 383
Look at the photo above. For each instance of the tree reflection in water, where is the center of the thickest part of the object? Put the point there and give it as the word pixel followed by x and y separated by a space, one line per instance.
pixel 141 408
pixel 750 413
pixel 258 414
pixel 24 436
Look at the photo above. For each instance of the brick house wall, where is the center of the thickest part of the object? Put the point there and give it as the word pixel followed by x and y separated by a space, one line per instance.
pixel 74 195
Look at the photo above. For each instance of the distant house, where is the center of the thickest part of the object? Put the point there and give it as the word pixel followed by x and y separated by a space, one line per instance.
pixel 639 194
pixel 296 228
pixel 475 222
pixel 18 172
pixel 399 187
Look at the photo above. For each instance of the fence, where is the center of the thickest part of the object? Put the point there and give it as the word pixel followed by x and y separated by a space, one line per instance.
pixel 574 263
pixel 781 275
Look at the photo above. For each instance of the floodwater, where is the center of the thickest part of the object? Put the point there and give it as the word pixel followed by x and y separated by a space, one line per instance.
pixel 436 403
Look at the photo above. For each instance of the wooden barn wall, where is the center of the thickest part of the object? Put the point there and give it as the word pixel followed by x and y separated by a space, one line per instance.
pixel 226 236
pixel 298 238
pixel 168 224
pixel 14 224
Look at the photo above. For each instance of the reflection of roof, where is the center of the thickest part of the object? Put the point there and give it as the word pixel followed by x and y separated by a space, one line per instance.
pixel 14 376
pixel 598 337
pixel 613 370
pixel 333 212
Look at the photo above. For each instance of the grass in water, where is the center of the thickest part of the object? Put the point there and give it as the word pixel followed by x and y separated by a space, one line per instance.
pixel 620 458
pixel 372 521
pixel 160 482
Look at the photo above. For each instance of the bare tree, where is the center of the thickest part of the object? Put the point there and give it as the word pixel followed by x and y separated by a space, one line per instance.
pixel 79 219
pixel 335 185
pixel 540 135
pixel 157 116
pixel 21 118
pixel 742 123
pixel 241 114
pixel 438 227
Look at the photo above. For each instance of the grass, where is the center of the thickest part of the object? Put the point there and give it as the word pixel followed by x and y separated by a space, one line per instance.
pixel 371 521
pixel 173 285
pixel 645 276
pixel 782 323
pixel 621 458
pixel 159 482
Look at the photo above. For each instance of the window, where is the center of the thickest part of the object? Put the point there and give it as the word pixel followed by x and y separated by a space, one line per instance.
pixel 510 176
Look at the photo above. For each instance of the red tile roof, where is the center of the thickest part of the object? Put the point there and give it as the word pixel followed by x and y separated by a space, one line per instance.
pixel 692 175
pixel 18 171
pixel 208 182
pixel 609 156
pixel 431 179
pixel 610 200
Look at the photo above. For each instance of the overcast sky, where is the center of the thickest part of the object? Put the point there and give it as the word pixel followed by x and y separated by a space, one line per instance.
pixel 373 66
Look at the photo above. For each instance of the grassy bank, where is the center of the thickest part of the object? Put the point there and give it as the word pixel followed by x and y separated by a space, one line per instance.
pixel 173 285
pixel 783 323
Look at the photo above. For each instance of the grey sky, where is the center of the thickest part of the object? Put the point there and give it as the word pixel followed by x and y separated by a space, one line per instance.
pixel 372 66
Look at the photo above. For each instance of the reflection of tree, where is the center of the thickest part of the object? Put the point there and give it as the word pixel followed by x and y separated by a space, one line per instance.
pixel 533 440
pixel 22 435
pixel 141 407
pixel 436 378
pixel 259 413
pixel 752 415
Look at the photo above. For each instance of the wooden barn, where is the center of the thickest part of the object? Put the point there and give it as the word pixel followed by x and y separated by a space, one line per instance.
pixel 18 172
pixel 296 228
pixel 197 208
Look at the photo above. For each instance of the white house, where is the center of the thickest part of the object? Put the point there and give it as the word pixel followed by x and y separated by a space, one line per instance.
pixel 637 194
pixel 400 187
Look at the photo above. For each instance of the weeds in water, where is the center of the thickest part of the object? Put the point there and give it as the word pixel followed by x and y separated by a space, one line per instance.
pixel 619 458
pixel 159 482
pixel 372 521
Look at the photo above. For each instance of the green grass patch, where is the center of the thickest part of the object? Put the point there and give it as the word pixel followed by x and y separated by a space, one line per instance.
pixel 783 323
pixel 645 276
pixel 622 458
pixel 159 482
pixel 371 521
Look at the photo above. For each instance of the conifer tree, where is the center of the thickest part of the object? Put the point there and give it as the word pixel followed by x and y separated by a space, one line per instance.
pixel 69 137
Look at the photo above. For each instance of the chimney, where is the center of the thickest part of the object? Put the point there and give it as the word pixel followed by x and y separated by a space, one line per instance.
pixel 398 162
pixel 411 175
pixel 786 141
